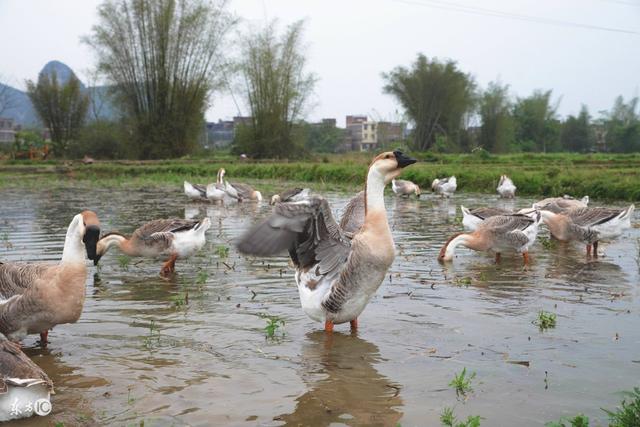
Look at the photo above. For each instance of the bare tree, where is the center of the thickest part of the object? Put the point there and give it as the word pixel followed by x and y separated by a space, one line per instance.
pixel 277 89
pixel 7 97
pixel 164 58
pixel 97 95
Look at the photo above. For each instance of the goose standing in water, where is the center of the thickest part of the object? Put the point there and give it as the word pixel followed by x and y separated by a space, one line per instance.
pixel 173 238
pixel 402 187
pixel 337 272
pixel 36 297
pixel 22 382
pixel 239 190
pixel 498 233
pixel 445 186
pixel 506 188
pixel 588 225
pixel 471 219
pixel 195 191
pixel 221 190
pixel 291 195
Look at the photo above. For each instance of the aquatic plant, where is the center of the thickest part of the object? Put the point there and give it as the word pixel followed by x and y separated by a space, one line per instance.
pixel 628 414
pixel 462 383
pixel 546 242
pixel 448 419
pixel 180 300
pixel 222 251
pixel 202 277
pixel 273 324
pixel 124 261
pixel 579 420
pixel 545 320
pixel 153 339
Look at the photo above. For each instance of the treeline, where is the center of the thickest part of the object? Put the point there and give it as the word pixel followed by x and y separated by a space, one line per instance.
pixel 450 113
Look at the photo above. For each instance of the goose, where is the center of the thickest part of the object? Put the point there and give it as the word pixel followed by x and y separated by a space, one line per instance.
pixel 337 272
pixel 588 225
pixel 36 297
pixel 241 191
pixel 175 238
pixel 221 190
pixel 471 219
pixel 561 204
pixel 506 188
pixel 195 191
pixel 445 186
pixel 291 195
pixel 22 384
pixel 498 233
pixel 403 187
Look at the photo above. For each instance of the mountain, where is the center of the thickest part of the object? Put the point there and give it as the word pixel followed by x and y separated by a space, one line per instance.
pixel 23 113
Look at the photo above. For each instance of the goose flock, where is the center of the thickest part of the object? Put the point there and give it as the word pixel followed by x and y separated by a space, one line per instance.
pixel 339 264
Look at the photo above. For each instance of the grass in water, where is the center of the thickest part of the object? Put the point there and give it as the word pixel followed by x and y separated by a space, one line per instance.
pixel 546 242
pixel 545 320
pixel 448 419
pixel 462 383
pixel 577 421
pixel 180 300
pixel 222 251
pixel 202 277
pixel 628 413
pixel 153 339
pixel 124 261
pixel 273 324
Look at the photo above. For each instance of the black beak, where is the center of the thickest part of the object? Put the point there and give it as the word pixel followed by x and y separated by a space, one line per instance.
pixel 90 239
pixel 403 160
pixel 96 259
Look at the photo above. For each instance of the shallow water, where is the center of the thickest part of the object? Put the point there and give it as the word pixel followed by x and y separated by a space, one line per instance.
pixel 208 363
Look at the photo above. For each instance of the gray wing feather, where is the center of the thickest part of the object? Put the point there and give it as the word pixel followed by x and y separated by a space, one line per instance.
pixel 353 215
pixel 15 278
pixel 160 232
pixel 245 191
pixel 506 223
pixel 487 212
pixel 592 216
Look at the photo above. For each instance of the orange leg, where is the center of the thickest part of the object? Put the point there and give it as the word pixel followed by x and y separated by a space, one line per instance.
pixel 525 257
pixel 497 257
pixel 43 338
pixel 595 249
pixel 328 326
pixel 169 266
pixel 354 324
pixel 589 249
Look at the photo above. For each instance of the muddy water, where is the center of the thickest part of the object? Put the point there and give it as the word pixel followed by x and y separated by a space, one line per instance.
pixel 138 353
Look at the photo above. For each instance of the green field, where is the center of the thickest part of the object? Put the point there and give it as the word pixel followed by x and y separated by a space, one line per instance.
pixel 601 176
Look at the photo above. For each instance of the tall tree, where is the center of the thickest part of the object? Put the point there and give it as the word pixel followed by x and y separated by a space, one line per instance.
pixel 622 125
pixel 496 131
pixel 62 107
pixel 537 127
pixel 576 133
pixel 164 58
pixel 7 97
pixel 436 96
pixel 277 88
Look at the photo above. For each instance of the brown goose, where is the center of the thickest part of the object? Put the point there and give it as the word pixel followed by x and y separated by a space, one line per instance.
pixel 36 297
pixel 336 275
pixel 173 238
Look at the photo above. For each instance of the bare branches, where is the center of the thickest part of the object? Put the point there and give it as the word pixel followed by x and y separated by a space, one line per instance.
pixel 7 97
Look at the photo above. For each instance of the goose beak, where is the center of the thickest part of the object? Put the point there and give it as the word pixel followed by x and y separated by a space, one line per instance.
pixel 96 259
pixel 403 160
pixel 90 239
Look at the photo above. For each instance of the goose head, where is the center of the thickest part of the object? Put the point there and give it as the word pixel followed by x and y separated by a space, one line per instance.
pixel 390 164
pixel 275 199
pixel 91 232
pixel 417 190
pixel 434 184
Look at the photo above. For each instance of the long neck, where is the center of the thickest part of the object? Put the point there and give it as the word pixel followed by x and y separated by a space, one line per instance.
pixel 448 251
pixel 374 193
pixel 220 176
pixel 74 251
pixel 112 240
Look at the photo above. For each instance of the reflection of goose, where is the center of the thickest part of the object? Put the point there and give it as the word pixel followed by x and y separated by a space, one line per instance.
pixel 175 238
pixel 506 188
pixel 349 390
pixel 22 383
pixel 588 225
pixel 445 186
pixel 337 272
pixel 36 297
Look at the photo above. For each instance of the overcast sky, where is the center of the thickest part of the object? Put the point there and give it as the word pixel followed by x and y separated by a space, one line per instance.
pixel 351 42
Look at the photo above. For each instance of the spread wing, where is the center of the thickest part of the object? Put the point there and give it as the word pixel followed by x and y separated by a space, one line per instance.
pixel 15 278
pixel 306 229
pixel 353 215
pixel 588 217
pixel 18 369
pixel 160 231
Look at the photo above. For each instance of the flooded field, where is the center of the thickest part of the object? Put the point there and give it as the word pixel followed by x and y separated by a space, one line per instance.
pixel 192 350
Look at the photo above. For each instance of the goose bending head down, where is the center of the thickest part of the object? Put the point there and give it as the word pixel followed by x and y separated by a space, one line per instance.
pixel 498 233
pixel 445 186
pixel 337 271
pixel 291 195
pixel 172 238
pixel 36 297
pixel 506 188
pixel 403 187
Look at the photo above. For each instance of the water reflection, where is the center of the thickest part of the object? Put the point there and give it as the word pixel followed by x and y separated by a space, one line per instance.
pixel 345 387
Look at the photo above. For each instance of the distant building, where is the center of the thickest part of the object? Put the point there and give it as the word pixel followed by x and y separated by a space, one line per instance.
pixel 362 134
pixel 220 134
pixel 389 132
pixel 7 131
pixel 242 120
pixel 329 122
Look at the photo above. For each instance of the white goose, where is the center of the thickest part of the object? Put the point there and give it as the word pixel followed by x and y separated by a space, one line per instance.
pixel 239 190
pixel 403 187
pixel 445 186
pixel 506 188
pixel 194 191
pixel 36 297
pixel 221 190
pixel 22 382
pixel 337 272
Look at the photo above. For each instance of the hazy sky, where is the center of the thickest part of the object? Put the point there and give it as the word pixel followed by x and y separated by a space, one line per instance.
pixel 351 42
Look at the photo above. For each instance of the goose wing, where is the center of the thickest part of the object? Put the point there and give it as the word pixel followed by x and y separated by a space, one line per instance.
pixel 501 224
pixel 160 231
pixel 201 189
pixel 288 195
pixel 588 217
pixel 306 229
pixel 15 278
pixel 353 216
pixel 245 191
pixel 17 369
pixel 487 212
